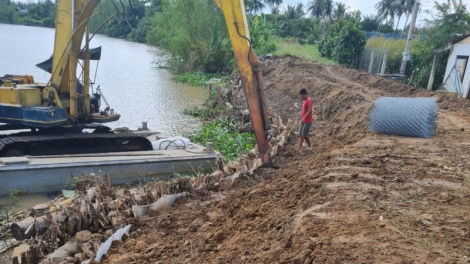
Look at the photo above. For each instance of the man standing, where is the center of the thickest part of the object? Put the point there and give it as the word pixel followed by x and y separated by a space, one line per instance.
pixel 306 119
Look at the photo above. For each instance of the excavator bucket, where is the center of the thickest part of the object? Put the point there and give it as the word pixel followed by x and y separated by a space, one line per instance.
pixel 249 68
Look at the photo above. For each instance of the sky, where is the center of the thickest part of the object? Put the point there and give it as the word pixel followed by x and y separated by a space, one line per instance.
pixel 367 7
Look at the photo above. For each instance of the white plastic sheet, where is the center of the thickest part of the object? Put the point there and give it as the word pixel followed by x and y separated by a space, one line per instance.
pixel 170 143
pixel 107 245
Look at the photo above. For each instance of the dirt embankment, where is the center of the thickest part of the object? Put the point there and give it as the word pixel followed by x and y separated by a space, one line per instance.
pixel 356 198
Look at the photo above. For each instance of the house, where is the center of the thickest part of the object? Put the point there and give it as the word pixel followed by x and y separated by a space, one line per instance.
pixel 23 11
pixel 457 75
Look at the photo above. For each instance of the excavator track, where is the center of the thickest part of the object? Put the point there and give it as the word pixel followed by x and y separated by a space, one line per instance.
pixel 71 143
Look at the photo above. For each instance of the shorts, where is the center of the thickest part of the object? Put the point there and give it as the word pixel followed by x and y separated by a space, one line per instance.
pixel 303 130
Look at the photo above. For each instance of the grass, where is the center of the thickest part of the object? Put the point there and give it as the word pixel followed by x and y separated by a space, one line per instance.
pixel 284 47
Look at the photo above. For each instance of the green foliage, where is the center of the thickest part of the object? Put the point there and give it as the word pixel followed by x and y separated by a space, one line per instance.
pixel 48 22
pixel 9 14
pixel 121 26
pixel 311 40
pixel 225 139
pixel 344 42
pixel 28 21
pixel 9 207
pixel 38 14
pixel 260 35
pixel 139 33
pixel 202 113
pixel 372 23
pixel 299 28
pixel 288 47
pixel 393 47
pixel 452 19
pixel 192 31
pixel 128 19
pixel 195 78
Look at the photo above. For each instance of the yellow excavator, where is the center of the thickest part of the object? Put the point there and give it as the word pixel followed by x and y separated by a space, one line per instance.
pixel 56 114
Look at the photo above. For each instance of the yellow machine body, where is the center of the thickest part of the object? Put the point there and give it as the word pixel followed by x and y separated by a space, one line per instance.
pixel 64 101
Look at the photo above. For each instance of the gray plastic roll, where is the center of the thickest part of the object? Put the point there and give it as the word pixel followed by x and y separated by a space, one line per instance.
pixel 413 117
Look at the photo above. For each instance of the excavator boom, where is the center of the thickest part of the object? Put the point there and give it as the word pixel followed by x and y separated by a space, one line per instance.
pixel 249 68
pixel 65 103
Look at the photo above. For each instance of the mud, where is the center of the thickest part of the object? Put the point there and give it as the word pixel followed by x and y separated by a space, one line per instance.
pixel 356 197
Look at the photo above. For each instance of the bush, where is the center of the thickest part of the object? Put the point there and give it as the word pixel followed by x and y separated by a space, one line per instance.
pixel 195 78
pixel 202 113
pixel 311 40
pixel 344 41
pixel 224 137
pixel 28 21
pixel 48 22
pixel 191 31
pixel 268 47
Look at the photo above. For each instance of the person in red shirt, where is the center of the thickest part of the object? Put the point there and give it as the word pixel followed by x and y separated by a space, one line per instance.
pixel 306 119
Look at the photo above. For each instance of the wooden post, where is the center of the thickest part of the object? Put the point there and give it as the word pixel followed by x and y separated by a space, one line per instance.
pixel 434 64
pixel 372 58
pixel 384 63
pixel 433 71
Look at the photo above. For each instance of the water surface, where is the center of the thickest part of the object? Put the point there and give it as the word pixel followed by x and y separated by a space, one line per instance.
pixel 127 75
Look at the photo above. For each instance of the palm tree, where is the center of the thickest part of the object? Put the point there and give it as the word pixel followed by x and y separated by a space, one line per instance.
pixel 315 8
pixel 385 10
pixel 275 10
pixel 254 6
pixel 409 9
pixel 273 3
pixel 299 10
pixel 293 12
pixel 321 8
pixel 400 9
pixel 328 10
pixel 339 12
pixel 288 19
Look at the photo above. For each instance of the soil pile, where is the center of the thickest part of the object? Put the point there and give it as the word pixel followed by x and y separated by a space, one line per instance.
pixel 355 198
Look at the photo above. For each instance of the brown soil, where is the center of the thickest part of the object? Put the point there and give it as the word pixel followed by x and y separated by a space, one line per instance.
pixel 356 197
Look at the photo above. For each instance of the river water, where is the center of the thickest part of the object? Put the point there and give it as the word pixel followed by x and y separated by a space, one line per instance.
pixel 127 75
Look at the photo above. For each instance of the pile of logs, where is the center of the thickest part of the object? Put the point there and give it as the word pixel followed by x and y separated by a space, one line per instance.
pixel 72 230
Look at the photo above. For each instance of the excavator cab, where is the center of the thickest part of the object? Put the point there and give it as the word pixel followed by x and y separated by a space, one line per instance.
pixel 66 104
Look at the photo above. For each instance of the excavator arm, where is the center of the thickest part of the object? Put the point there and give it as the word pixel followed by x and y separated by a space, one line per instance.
pixel 64 89
pixel 249 68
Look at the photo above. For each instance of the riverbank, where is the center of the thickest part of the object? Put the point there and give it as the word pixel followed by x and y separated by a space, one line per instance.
pixel 356 197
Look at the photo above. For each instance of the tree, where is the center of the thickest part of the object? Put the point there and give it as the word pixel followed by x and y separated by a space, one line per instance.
pixel 339 12
pixel 8 14
pixel 345 40
pixel 122 25
pixel 409 9
pixel 371 23
pixel 452 19
pixel 273 3
pixel 289 21
pixel 385 10
pixel 321 8
pixel 259 35
pixel 254 6
pixel 400 9
pixel 315 8
pixel 194 33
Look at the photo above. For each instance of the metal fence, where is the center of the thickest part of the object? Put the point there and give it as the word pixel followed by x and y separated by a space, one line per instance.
pixel 414 117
